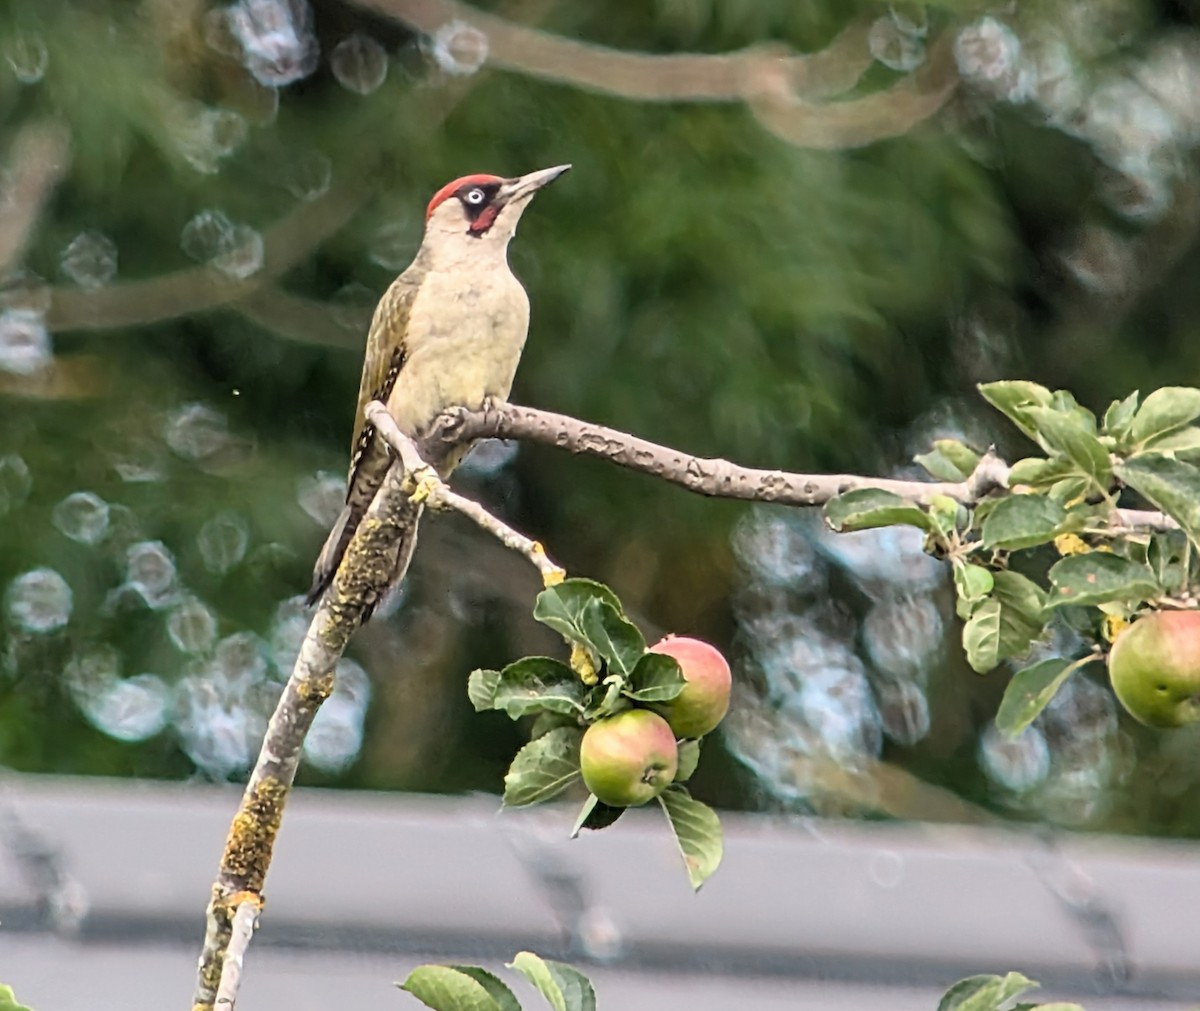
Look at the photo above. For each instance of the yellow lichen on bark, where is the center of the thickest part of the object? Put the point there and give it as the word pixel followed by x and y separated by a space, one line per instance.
pixel 252 834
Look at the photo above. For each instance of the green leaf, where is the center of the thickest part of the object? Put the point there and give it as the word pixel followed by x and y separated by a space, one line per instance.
pixel 1183 444
pixel 1014 398
pixel 612 636
pixel 1171 485
pixel 544 722
pixel 1098 577
pixel 595 815
pixel 972 582
pixel 481 689
pixel 457 988
pixel 944 514
pixel 1022 521
pixel 564 987
pixel 949 460
pixel 539 684
pixel 1039 472
pixel 562 606
pixel 984 993
pixel 1069 435
pixel 543 768
pixel 689 758
pixel 1056 1005
pixel 697 831
pixel 609 701
pixel 872 507
pixel 1164 411
pixel 1022 596
pixel 1118 416
pixel 1070 490
pixel 981 637
pixel 938 466
pixel 1028 693
pixel 656 678
pixel 8 1000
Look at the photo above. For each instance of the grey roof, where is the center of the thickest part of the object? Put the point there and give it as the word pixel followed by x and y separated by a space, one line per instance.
pixel 103 886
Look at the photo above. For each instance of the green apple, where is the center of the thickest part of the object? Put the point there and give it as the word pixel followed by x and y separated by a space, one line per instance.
pixel 704 701
pixel 1155 668
pixel 628 759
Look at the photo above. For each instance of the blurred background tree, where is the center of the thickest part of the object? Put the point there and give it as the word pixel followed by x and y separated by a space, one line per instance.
pixel 799 246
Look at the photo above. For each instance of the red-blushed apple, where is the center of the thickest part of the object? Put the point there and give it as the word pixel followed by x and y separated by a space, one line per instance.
pixel 628 759
pixel 1155 668
pixel 702 704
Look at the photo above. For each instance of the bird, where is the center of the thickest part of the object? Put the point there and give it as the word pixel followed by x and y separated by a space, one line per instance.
pixel 448 332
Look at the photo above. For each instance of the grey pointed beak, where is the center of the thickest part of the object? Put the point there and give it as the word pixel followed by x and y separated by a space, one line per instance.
pixel 527 185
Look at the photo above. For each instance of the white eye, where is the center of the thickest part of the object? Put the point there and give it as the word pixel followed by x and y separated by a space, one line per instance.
pixel 475 197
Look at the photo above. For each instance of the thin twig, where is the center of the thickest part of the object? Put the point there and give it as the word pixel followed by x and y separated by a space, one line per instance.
pixel 785 90
pixel 424 482
pixel 36 163
pixel 244 922
pixel 285 244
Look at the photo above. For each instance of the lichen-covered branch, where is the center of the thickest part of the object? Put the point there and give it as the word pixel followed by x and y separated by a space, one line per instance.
pixel 359 583
pixel 423 482
pixel 719 478
pixel 704 476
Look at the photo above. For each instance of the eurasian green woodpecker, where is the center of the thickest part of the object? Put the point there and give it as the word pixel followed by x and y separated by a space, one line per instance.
pixel 447 333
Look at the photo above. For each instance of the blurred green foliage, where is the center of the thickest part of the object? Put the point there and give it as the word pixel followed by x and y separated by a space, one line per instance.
pixel 696 280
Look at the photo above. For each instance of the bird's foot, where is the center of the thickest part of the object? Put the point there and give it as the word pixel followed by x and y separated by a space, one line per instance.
pixel 424 483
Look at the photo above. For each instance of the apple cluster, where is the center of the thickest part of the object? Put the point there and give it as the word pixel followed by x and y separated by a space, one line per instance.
pixel 631 757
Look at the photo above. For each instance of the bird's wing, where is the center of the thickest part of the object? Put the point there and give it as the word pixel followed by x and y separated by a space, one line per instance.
pixel 383 360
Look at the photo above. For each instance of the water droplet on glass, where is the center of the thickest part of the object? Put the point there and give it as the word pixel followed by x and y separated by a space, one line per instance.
pixel 307 175
pixel 895 48
pixel 150 571
pixel 15 482
pixel 82 516
pixel 28 57
pixel 352 683
pixel 394 243
pixel 213 734
pixel 903 711
pixel 770 546
pixel 352 306
pixel 1016 765
pixel 133 709
pixel 205 136
pixel 489 456
pixel 234 249
pixel 359 63
pixel 598 934
pixel 902 633
pixel 192 626
pixel 244 257
pixel 92 671
pixel 90 260
pixel 24 342
pixel 288 628
pixel 459 48
pixel 223 541
pixel 886 868
pixel 322 497
pixel 39 601
pixel 239 660
pixel 196 432
pixel 276 38
pixel 990 57
pixel 336 735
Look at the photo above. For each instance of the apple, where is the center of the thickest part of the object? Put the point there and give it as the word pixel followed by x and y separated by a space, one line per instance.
pixel 702 704
pixel 628 759
pixel 1155 668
